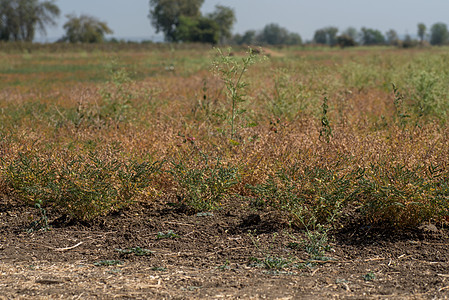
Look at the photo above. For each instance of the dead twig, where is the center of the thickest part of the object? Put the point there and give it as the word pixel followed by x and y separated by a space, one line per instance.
pixel 177 223
pixel 374 259
pixel 324 261
pixel 67 248
pixel 443 288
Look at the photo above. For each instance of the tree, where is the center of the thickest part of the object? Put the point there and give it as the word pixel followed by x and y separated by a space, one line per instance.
pixel 273 34
pixel 197 30
pixel 248 38
pixel 345 40
pixel 225 19
pixel 392 37
pixel 439 34
pixel 165 15
pixel 331 35
pixel 371 37
pixel 320 37
pixel 293 39
pixel 85 29
pixel 421 31
pixel 408 42
pixel 19 19
pixel 327 36
pixel 351 32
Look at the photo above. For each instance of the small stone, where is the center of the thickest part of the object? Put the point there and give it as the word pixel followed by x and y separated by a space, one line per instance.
pixel 429 228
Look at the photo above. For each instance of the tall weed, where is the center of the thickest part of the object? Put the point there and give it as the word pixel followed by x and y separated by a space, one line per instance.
pixel 232 70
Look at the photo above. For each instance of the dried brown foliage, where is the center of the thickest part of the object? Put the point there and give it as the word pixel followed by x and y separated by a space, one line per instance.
pixel 175 111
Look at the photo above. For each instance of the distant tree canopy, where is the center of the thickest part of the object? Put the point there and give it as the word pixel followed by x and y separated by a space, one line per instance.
pixel 371 37
pixel 408 42
pixel 392 37
pixel 248 38
pixel 85 29
pixel 320 37
pixel 294 39
pixel 19 19
pixel 271 34
pixel 422 31
pixel 439 34
pixel 326 36
pixel 225 19
pixel 345 40
pixel 165 15
pixel 352 33
pixel 201 30
pixel 181 21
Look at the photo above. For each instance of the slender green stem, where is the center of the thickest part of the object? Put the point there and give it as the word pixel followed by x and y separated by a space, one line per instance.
pixel 234 96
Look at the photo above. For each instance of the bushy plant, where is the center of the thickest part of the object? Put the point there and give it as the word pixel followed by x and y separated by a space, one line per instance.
pixel 428 94
pixel 398 196
pixel 310 195
pixel 290 96
pixel 203 186
pixel 316 242
pixel 85 186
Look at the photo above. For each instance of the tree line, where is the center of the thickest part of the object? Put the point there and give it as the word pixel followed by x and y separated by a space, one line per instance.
pixel 181 21
pixel 437 35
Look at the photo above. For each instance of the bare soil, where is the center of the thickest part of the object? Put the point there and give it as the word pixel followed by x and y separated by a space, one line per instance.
pixel 217 256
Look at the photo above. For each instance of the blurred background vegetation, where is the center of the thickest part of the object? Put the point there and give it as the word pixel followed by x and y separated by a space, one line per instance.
pixel 181 21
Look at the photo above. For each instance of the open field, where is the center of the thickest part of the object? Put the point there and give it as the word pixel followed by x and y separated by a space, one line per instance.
pixel 186 172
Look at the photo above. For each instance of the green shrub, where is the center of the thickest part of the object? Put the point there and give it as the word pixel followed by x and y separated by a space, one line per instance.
pixel 429 94
pixel 84 186
pixel 394 195
pixel 205 185
pixel 309 196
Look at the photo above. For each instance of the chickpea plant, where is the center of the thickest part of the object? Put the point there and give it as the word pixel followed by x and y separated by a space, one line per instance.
pixel 231 70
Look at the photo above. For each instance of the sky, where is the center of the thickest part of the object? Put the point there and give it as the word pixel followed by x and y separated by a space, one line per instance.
pixel 129 18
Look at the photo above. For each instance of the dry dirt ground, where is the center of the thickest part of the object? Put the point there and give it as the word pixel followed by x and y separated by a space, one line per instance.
pixel 161 252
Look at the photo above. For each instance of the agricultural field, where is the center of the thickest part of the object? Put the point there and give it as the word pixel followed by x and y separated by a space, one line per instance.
pixel 159 171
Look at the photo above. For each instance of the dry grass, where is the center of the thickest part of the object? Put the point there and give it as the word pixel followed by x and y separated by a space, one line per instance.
pixel 167 106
